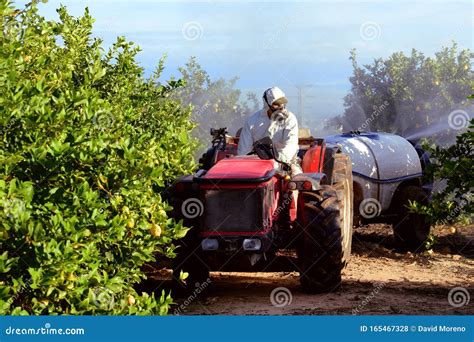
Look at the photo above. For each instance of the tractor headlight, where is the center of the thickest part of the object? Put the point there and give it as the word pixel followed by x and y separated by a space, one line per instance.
pixel 210 244
pixel 252 244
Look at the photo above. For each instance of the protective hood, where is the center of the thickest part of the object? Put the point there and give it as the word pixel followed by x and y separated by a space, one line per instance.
pixel 271 95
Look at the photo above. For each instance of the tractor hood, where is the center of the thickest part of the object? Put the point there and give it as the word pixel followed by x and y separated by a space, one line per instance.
pixel 240 169
pixel 381 157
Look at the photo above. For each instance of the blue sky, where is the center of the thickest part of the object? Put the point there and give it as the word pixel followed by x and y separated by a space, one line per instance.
pixel 280 42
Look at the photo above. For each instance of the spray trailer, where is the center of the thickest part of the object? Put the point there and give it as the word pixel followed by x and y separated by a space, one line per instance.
pixel 387 171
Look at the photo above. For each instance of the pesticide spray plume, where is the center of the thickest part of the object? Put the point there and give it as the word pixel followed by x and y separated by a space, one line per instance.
pixel 435 122
pixel 445 130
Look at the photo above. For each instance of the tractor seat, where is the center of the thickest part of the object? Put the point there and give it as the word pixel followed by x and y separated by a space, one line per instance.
pixel 304 133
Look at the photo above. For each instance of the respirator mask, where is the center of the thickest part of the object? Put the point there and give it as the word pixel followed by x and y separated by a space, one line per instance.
pixel 279 115
pixel 278 112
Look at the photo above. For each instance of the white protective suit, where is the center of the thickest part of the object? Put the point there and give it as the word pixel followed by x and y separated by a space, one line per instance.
pixel 282 128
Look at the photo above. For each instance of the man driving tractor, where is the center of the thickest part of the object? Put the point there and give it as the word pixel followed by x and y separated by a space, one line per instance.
pixel 276 122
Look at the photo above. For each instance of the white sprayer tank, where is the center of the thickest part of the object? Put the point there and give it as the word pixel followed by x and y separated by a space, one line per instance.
pixel 380 162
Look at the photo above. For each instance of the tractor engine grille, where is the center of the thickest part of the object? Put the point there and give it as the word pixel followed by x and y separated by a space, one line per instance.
pixel 238 210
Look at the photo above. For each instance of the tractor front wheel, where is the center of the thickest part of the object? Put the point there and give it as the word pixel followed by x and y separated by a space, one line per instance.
pixel 325 218
pixel 190 259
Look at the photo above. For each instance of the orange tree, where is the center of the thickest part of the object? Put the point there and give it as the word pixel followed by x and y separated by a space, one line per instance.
pixel 86 146
pixel 408 93
pixel 215 103
pixel 454 165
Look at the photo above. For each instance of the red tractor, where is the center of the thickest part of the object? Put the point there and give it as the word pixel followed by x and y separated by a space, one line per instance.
pixel 243 210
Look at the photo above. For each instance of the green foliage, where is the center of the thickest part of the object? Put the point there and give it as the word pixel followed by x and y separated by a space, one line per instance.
pixel 404 94
pixel 431 241
pixel 472 95
pixel 214 103
pixel 86 146
pixel 454 166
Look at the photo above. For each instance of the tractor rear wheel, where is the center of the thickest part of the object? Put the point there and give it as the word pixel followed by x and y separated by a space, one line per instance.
pixel 325 217
pixel 410 229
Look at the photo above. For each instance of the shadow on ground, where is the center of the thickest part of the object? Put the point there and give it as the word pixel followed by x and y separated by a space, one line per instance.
pixel 380 279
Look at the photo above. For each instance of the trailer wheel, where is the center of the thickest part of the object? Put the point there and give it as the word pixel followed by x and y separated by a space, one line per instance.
pixel 325 217
pixel 410 229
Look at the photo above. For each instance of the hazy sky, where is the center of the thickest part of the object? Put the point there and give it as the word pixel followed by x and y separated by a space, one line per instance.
pixel 280 42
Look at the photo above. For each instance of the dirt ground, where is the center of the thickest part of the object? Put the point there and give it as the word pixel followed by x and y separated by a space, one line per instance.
pixel 379 280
